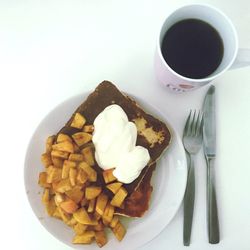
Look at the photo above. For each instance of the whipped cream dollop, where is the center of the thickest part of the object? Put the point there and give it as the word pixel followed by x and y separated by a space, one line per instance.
pixel 114 138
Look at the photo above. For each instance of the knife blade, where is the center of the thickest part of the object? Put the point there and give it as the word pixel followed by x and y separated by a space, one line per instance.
pixel 209 146
pixel 209 128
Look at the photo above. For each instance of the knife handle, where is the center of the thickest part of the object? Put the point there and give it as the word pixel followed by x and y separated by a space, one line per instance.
pixel 189 203
pixel 212 214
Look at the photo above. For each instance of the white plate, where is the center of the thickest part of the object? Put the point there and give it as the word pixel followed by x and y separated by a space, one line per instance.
pixel 169 182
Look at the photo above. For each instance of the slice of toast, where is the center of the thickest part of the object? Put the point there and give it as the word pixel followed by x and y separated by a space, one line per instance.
pixel 153 134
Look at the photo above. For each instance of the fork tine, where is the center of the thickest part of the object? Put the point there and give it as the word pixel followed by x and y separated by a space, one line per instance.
pixel 201 124
pixel 193 124
pixel 187 125
pixel 198 124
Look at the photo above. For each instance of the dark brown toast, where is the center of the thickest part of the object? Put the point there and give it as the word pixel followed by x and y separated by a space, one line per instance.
pixel 153 134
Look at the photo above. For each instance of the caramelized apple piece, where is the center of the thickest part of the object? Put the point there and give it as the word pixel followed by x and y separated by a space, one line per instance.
pixel 76 157
pixel 53 174
pixel 66 167
pixel 43 180
pixel 119 197
pixel 85 238
pixel 80 228
pixel 58 162
pixel 81 138
pixel 75 194
pixel 108 175
pixel 88 128
pixel 69 206
pixel 72 176
pixel 65 146
pixel 114 187
pixel 91 173
pixel 59 154
pixel 88 155
pixel 100 238
pixel 46 159
pixel 81 177
pixel 57 214
pixel 119 231
pixel 108 213
pixel 51 207
pixel 62 186
pixel 99 227
pixel 78 121
pixel 49 142
pixel 91 206
pixel 82 217
pixel 92 192
pixel 65 216
pixel 46 196
pixel 62 137
pixel 59 198
pixel 101 203
pixel 114 221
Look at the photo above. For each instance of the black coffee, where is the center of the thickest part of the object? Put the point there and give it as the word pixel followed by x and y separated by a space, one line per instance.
pixel 192 48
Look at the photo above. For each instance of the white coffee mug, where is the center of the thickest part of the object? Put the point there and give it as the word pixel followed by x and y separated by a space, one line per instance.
pixel 233 57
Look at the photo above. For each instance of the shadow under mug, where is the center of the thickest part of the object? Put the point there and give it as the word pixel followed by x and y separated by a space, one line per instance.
pixel 233 57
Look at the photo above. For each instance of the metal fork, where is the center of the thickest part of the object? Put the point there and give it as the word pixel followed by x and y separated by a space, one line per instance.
pixel 192 141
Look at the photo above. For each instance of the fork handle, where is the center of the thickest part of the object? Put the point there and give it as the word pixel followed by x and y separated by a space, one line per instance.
pixel 212 214
pixel 189 203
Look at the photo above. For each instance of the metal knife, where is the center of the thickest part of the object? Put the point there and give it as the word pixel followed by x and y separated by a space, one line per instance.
pixel 209 145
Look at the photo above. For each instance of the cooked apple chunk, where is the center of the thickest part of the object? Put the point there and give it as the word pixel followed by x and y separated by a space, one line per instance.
pixel 92 192
pixel 49 143
pixel 81 138
pixel 100 226
pixel 79 228
pixel 59 154
pixel 66 167
pixel 65 216
pixel 88 128
pixel 114 221
pixel 91 206
pixel 69 206
pixel 82 216
pixel 119 197
pixel 88 155
pixel 72 176
pixel 45 197
pixel 62 137
pixel 119 231
pixel 78 121
pixel 81 177
pixel 108 214
pixel 58 162
pixel 114 187
pixel 46 159
pixel 43 180
pixel 53 174
pixel 108 175
pixel 100 238
pixel 76 157
pixel 92 175
pixel 65 146
pixel 62 186
pixel 59 198
pixel 101 203
pixel 51 207
pixel 75 194
pixel 85 238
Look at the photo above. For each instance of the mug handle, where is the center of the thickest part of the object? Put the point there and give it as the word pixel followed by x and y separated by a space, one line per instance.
pixel 242 59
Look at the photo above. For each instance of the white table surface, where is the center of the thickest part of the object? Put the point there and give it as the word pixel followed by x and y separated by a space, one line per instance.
pixel 51 50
